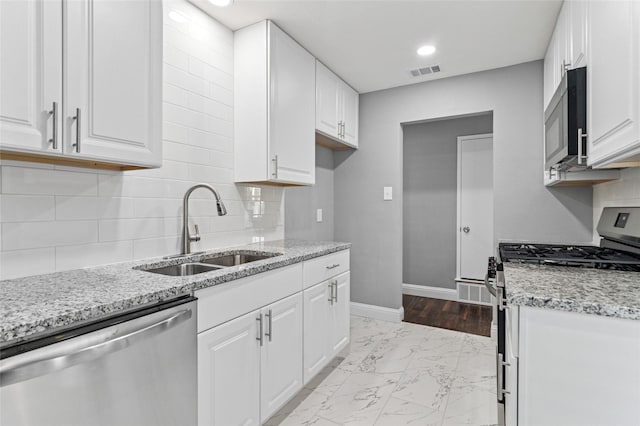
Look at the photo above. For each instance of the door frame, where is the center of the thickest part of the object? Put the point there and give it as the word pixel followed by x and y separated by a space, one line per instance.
pixel 459 196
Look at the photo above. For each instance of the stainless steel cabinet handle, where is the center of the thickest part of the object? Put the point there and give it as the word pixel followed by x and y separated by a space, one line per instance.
pixel 274 174
pixel 54 126
pixel 269 324
pixel 581 137
pixel 259 338
pixel 343 126
pixel 335 265
pixel 335 286
pixel 78 118
pixel 80 350
pixel 330 292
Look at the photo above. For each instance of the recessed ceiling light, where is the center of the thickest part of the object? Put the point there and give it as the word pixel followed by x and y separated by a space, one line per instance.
pixel 177 16
pixel 426 50
pixel 221 3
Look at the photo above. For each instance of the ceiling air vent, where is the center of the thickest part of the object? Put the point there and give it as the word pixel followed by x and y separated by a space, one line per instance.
pixel 425 70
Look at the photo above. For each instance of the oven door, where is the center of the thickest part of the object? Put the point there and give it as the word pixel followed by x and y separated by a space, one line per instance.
pixel 556 133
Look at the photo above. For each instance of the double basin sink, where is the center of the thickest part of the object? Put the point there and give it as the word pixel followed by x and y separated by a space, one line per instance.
pixel 209 264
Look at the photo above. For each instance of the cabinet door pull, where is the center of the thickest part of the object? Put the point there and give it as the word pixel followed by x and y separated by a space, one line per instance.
pixel 335 286
pixel 259 338
pixel 335 265
pixel 54 127
pixel 274 174
pixel 78 117
pixel 581 150
pixel 330 292
pixel 269 325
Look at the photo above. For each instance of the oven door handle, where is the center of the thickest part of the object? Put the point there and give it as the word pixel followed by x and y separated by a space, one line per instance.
pixel 489 286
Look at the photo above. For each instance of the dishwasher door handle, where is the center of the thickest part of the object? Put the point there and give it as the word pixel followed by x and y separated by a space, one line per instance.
pixel 83 349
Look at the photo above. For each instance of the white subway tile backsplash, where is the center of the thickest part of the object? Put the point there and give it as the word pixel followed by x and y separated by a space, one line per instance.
pixel 133 229
pixel 24 235
pixel 86 255
pixel 18 263
pixel 26 208
pixel 69 218
pixel 210 140
pixel 154 247
pixel 22 180
pixel 115 207
pixel 76 208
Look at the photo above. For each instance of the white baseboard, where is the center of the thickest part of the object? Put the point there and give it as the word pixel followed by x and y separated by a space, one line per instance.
pixel 429 291
pixel 377 312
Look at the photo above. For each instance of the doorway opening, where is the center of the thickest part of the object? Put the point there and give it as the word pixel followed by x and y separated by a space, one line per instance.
pixel 448 209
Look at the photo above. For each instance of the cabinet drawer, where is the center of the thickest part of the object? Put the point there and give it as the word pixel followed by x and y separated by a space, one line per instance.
pixel 325 267
pixel 224 302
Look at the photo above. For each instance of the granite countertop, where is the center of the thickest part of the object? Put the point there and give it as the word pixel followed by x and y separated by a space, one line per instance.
pixel 34 306
pixel 588 291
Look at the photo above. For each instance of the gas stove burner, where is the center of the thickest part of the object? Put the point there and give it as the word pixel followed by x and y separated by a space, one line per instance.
pixel 570 255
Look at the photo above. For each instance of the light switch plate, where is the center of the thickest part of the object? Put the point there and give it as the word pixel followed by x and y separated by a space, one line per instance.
pixel 388 193
pixel 319 215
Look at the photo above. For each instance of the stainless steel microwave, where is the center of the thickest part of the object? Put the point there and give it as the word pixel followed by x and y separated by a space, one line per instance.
pixel 565 122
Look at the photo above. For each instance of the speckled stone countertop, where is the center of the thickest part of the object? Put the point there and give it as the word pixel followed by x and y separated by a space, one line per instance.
pixel 34 306
pixel 582 290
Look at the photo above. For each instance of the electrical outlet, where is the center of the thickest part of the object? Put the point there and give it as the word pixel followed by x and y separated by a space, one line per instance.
pixel 319 215
pixel 388 193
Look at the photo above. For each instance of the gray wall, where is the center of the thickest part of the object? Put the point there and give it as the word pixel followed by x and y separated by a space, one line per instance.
pixel 430 195
pixel 523 208
pixel 301 203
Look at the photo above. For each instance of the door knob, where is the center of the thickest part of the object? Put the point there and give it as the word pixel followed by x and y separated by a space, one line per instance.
pixel 466 229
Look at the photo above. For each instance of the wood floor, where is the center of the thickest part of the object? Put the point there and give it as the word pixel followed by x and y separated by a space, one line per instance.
pixel 465 317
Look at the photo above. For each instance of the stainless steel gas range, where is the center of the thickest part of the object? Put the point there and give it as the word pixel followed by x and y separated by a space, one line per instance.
pixel 619 249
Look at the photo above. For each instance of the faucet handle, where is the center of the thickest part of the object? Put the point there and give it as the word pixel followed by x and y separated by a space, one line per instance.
pixel 196 237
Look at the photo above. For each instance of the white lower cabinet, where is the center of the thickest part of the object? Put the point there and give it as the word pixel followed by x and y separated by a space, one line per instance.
pixel 229 373
pixel 576 369
pixel 251 366
pixel 257 336
pixel 281 354
pixel 326 323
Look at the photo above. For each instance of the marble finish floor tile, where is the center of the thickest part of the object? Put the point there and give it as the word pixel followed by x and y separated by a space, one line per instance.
pixel 400 374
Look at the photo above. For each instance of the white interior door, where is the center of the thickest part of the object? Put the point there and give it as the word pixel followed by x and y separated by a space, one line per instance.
pixel 475 205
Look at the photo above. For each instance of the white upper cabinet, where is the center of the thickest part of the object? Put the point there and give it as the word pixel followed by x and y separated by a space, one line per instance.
pixel 113 79
pixel 274 107
pixel 112 61
pixel 568 46
pixel 613 83
pixel 327 90
pixel 31 76
pixel 577 21
pixel 336 110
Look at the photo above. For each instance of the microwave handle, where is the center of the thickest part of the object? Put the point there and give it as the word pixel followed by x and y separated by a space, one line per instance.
pixel 581 137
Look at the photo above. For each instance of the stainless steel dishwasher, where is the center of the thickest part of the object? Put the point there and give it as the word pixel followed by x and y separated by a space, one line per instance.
pixel 136 369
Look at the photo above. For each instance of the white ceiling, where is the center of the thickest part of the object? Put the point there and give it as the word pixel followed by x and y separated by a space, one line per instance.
pixel 372 44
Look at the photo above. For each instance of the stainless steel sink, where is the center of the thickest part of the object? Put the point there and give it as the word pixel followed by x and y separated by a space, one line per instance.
pixel 184 269
pixel 237 259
